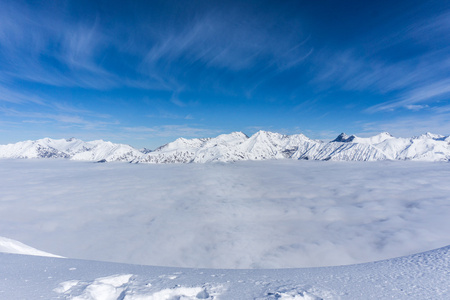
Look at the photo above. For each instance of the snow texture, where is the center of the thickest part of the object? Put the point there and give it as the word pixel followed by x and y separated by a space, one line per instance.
pixel 237 146
pixel 268 214
pixel 420 276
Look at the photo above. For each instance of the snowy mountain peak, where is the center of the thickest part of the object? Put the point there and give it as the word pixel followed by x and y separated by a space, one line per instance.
pixel 376 139
pixel 181 143
pixel 233 135
pixel 227 140
pixel 268 135
pixel 237 134
pixel 385 135
pixel 430 135
pixel 145 150
pixel 343 138
pixel 261 133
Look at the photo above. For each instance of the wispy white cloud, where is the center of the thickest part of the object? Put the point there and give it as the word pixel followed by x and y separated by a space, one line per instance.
pixel 225 52
pixel 361 73
pixel 175 99
pixel 71 109
pixel 435 28
pixel 175 131
pixel 44 46
pixel 227 41
pixel 36 121
pixel 412 82
pixel 21 101
pixel 415 98
pixel 167 115
pixel 222 51
pixel 415 107
pixel 17 97
pixel 441 109
pixel 407 126
pixel 62 119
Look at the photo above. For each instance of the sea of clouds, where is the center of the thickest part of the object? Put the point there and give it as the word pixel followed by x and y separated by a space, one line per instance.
pixel 265 214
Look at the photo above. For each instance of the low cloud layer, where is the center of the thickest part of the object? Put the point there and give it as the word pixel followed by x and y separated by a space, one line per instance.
pixel 270 214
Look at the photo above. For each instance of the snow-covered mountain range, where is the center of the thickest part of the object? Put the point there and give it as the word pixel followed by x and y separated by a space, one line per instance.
pixel 70 148
pixel 237 146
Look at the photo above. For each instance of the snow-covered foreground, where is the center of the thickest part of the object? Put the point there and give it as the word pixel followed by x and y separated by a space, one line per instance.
pixel 420 276
pixel 269 214
pixel 12 246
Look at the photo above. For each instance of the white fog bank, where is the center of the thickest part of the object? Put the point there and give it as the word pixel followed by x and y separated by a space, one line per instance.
pixel 268 214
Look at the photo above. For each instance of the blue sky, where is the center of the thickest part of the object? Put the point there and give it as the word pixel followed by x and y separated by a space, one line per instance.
pixel 147 72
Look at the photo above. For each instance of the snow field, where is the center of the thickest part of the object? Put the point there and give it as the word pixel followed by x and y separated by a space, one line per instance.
pixel 267 214
pixel 420 276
